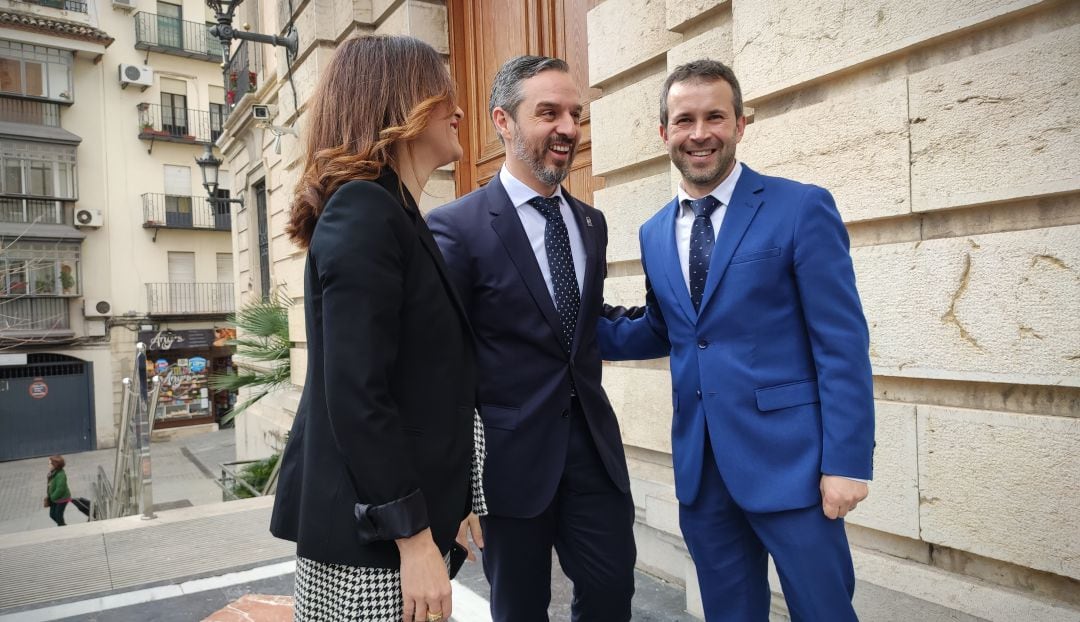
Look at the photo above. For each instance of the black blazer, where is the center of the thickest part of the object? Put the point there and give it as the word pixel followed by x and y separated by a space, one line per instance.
pixel 524 387
pixel 382 442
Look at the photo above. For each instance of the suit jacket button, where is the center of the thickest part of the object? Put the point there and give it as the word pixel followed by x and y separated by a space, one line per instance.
pixel 699 394
pixel 565 414
pixel 702 344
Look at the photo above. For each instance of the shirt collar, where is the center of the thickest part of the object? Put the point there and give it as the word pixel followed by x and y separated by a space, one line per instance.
pixel 722 192
pixel 519 193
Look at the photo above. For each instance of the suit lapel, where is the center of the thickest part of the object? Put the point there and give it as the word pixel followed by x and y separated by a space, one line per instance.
pixel 588 289
pixel 744 205
pixel 507 226
pixel 671 262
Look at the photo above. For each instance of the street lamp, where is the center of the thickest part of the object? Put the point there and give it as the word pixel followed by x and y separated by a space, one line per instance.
pixel 223 12
pixel 210 165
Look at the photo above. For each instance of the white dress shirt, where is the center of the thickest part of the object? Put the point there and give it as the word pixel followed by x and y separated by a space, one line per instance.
pixel 685 220
pixel 534 222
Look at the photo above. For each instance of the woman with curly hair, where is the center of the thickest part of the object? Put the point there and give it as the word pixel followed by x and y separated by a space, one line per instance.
pixel 381 470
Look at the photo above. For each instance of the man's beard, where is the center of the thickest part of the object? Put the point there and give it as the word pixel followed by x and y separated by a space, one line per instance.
pixel 552 176
pixel 710 176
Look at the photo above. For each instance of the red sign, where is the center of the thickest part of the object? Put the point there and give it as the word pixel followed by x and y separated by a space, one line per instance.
pixel 38 389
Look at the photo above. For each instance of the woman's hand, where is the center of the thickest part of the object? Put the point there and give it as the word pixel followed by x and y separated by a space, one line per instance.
pixel 471 524
pixel 425 584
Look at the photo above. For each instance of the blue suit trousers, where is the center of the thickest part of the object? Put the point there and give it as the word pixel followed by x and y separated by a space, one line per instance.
pixel 730 548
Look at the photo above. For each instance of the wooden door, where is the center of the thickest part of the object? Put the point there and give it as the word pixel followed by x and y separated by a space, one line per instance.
pixel 486 33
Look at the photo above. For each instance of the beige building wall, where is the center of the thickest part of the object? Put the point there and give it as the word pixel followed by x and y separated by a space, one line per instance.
pixel 115 168
pixel 948 134
pixel 250 153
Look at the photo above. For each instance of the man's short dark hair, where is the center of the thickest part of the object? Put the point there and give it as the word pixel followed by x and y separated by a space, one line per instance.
pixel 506 87
pixel 703 70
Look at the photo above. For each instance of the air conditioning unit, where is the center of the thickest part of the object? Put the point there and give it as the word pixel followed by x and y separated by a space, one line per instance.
pixel 139 75
pixel 89 218
pixel 99 308
pixel 127 5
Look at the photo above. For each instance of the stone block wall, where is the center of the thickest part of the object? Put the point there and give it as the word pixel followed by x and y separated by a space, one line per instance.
pixel 949 135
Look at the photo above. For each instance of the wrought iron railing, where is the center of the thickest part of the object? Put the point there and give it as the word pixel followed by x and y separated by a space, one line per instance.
pixel 29 111
pixel 170 35
pixel 67 5
pixel 27 314
pixel 174 124
pixel 242 74
pixel 184 212
pixel 189 298
pixel 31 211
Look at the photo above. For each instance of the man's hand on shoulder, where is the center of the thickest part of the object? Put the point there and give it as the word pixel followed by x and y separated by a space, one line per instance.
pixel 840 495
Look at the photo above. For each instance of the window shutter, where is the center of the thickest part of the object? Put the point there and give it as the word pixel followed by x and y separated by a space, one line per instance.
pixel 178 180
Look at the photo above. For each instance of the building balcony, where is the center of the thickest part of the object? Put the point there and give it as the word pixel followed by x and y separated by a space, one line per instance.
pixel 163 211
pixel 64 5
pixel 31 211
pixel 242 73
pixel 29 112
pixel 189 299
pixel 177 125
pixel 26 318
pixel 168 35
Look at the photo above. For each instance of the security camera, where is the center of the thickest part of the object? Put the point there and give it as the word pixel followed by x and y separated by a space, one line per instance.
pixel 260 112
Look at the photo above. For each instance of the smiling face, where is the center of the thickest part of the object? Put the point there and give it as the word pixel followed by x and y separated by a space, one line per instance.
pixel 543 135
pixel 702 132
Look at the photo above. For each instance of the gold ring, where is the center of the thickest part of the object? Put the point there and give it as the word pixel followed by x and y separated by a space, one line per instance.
pixel 434 616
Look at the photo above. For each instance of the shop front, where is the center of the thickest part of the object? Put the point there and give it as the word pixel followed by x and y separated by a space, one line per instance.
pixel 184 360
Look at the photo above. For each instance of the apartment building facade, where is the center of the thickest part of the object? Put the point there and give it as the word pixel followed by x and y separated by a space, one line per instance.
pixel 946 132
pixel 108 235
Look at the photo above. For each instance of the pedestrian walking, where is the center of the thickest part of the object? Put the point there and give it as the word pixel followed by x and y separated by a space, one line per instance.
pixel 59 495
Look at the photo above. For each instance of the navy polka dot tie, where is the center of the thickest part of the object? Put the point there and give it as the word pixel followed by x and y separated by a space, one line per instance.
pixel 560 266
pixel 701 244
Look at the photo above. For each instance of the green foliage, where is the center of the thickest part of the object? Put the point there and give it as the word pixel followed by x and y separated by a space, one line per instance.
pixel 263 336
pixel 255 474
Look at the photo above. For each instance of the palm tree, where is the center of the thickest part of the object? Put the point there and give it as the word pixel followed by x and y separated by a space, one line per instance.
pixel 263 336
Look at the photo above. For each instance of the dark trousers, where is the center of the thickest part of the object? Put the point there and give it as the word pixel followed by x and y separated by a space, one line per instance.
pixel 56 512
pixel 730 549
pixel 590 524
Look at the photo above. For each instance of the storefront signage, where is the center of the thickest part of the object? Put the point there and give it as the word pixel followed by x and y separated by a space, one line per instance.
pixel 165 340
pixel 38 389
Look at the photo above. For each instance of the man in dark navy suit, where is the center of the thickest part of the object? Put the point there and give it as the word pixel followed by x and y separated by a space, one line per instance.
pixel 529 262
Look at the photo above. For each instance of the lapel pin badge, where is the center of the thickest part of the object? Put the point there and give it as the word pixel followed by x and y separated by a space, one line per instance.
pixel 588 221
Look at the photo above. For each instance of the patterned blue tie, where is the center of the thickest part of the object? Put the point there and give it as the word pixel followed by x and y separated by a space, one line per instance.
pixel 701 244
pixel 560 266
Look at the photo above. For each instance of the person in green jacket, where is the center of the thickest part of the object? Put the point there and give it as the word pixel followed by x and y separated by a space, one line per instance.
pixel 59 493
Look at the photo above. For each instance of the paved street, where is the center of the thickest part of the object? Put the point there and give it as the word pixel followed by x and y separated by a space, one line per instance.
pixel 179 479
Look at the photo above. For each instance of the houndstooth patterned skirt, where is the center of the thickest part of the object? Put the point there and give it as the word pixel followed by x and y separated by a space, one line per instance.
pixel 336 592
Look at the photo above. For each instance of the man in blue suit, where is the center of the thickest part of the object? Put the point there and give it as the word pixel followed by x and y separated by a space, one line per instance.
pixel 750 290
pixel 528 261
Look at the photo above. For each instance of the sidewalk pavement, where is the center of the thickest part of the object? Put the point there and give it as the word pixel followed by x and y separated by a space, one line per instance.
pixel 48 573
pixel 182 469
pixel 194 560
